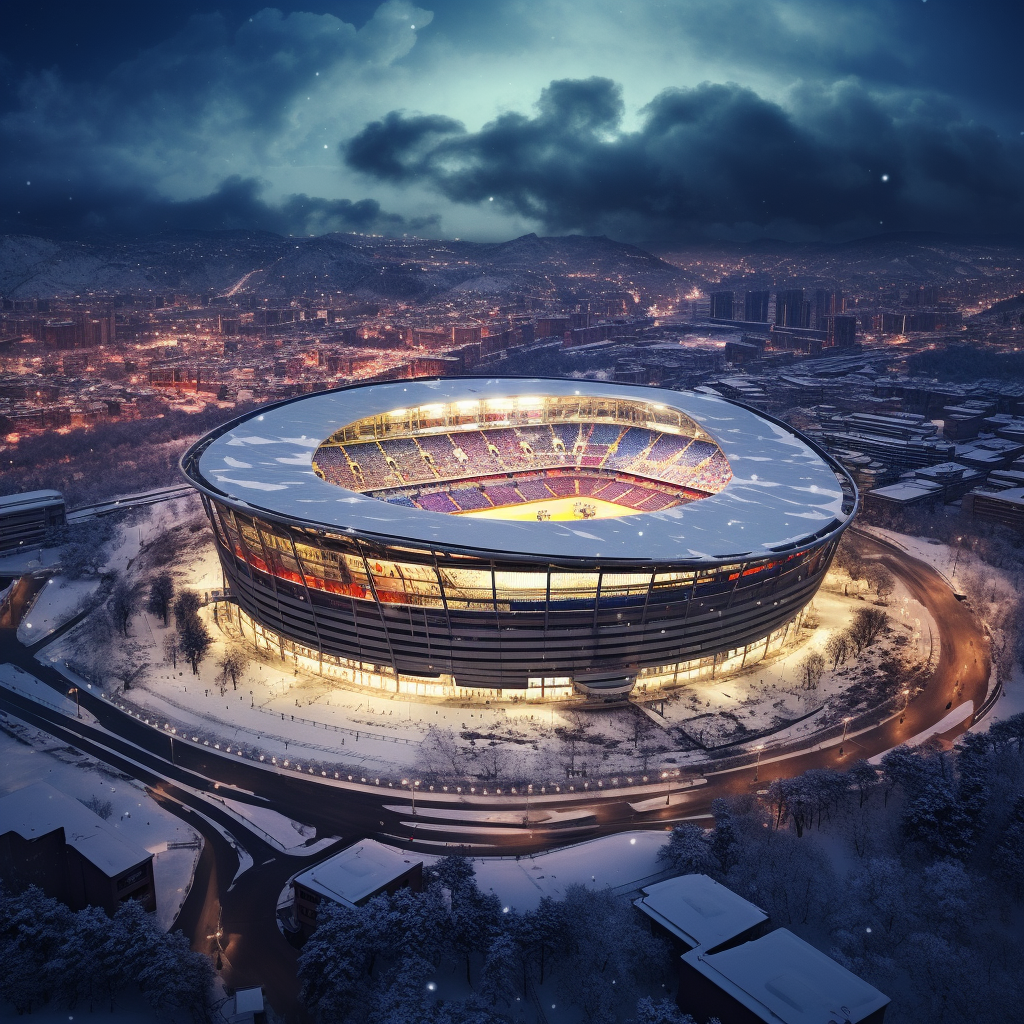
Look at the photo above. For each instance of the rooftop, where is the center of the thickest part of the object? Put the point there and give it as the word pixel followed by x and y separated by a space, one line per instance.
pixel 696 909
pixel 779 977
pixel 781 494
pixel 355 873
pixel 37 810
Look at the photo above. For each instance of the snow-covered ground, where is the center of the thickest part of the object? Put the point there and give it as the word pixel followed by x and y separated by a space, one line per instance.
pixel 280 831
pixel 58 601
pixel 28 755
pixel 621 862
pixel 294 716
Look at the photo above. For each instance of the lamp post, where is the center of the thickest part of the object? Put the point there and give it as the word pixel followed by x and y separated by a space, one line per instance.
pixel 757 763
pixel 74 690
pixel 846 725
pixel 668 786
pixel 906 704
pixel 956 559
pixel 412 789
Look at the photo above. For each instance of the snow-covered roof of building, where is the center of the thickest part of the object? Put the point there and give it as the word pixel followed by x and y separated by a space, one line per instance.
pixel 779 977
pixel 782 492
pixel 39 809
pixel 906 490
pixel 358 872
pixel 699 910
pixel 29 499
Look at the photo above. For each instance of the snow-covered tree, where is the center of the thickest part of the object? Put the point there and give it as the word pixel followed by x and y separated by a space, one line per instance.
pixel 500 981
pixel 689 851
pixel 662 1012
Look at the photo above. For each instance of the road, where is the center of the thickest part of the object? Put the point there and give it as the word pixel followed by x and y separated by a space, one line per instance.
pixel 256 953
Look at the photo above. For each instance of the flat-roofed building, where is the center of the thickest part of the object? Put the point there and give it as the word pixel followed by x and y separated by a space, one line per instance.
pixel 55 842
pixel 1006 507
pixel 353 877
pixel 25 517
pixel 778 978
pixel 698 912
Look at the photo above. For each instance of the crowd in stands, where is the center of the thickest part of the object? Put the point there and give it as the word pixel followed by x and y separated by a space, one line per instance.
pixel 417 463
pixel 483 493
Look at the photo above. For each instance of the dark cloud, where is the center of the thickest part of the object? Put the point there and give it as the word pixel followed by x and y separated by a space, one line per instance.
pixel 715 160
pixel 237 203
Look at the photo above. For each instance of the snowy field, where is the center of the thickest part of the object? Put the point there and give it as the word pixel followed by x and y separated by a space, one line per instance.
pixel 29 756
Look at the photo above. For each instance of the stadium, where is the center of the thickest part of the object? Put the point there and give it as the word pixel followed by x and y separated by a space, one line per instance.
pixel 518 538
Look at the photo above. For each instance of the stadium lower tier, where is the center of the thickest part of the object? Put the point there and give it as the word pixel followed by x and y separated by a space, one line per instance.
pixel 491 624
pixel 505 495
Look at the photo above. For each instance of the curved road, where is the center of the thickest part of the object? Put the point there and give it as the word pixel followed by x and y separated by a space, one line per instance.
pixel 255 951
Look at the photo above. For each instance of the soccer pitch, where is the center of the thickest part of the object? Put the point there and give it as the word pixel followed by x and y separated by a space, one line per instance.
pixel 577 509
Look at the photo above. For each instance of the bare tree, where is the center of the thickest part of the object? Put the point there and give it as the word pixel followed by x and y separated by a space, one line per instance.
pixel 867 627
pixel 811 669
pixel 124 603
pixel 186 606
pixel 233 664
pixel 882 580
pixel 838 649
pixel 128 665
pixel 195 641
pixel 172 648
pixel 440 753
pixel 161 593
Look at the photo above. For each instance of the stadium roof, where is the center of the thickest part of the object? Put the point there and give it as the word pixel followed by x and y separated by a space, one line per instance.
pixel 782 492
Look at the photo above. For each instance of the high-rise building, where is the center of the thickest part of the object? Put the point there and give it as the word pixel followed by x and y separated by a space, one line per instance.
pixel 842 331
pixel 721 305
pixel 790 308
pixel 826 303
pixel 755 307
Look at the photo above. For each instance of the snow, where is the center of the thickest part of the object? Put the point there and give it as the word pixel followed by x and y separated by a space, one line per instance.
pixel 782 975
pixel 284 833
pixel 357 872
pixel 29 756
pixel 19 681
pixel 38 809
pixel 751 514
pixel 58 601
pixel 699 910
pixel 622 862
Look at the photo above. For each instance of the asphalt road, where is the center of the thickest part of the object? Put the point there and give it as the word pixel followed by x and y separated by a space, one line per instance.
pixel 254 950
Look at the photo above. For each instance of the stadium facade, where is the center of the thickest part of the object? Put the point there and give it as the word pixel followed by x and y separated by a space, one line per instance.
pixel 522 537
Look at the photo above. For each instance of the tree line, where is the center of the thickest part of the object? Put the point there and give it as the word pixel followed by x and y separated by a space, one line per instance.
pixel 50 955
pixel 930 908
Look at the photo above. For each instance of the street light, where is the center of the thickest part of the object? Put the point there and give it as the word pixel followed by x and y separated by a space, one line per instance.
pixel 757 763
pixel 412 789
pixel 906 704
pixel 846 725
pixel 74 690
pixel 952 575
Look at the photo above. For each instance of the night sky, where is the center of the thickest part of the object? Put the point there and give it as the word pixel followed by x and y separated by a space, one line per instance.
pixel 655 122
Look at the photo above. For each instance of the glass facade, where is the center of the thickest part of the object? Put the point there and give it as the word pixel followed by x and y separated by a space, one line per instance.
pixel 490 624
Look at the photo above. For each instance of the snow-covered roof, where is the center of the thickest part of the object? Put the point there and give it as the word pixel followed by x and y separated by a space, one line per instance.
pixel 781 494
pixel 779 977
pixel 698 910
pixel 358 872
pixel 29 499
pixel 38 809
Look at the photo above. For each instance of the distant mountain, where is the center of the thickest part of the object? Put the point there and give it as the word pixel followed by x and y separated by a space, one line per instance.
pixel 865 263
pixel 405 269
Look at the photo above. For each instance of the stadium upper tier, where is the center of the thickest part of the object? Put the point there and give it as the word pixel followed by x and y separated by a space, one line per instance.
pixel 697 477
